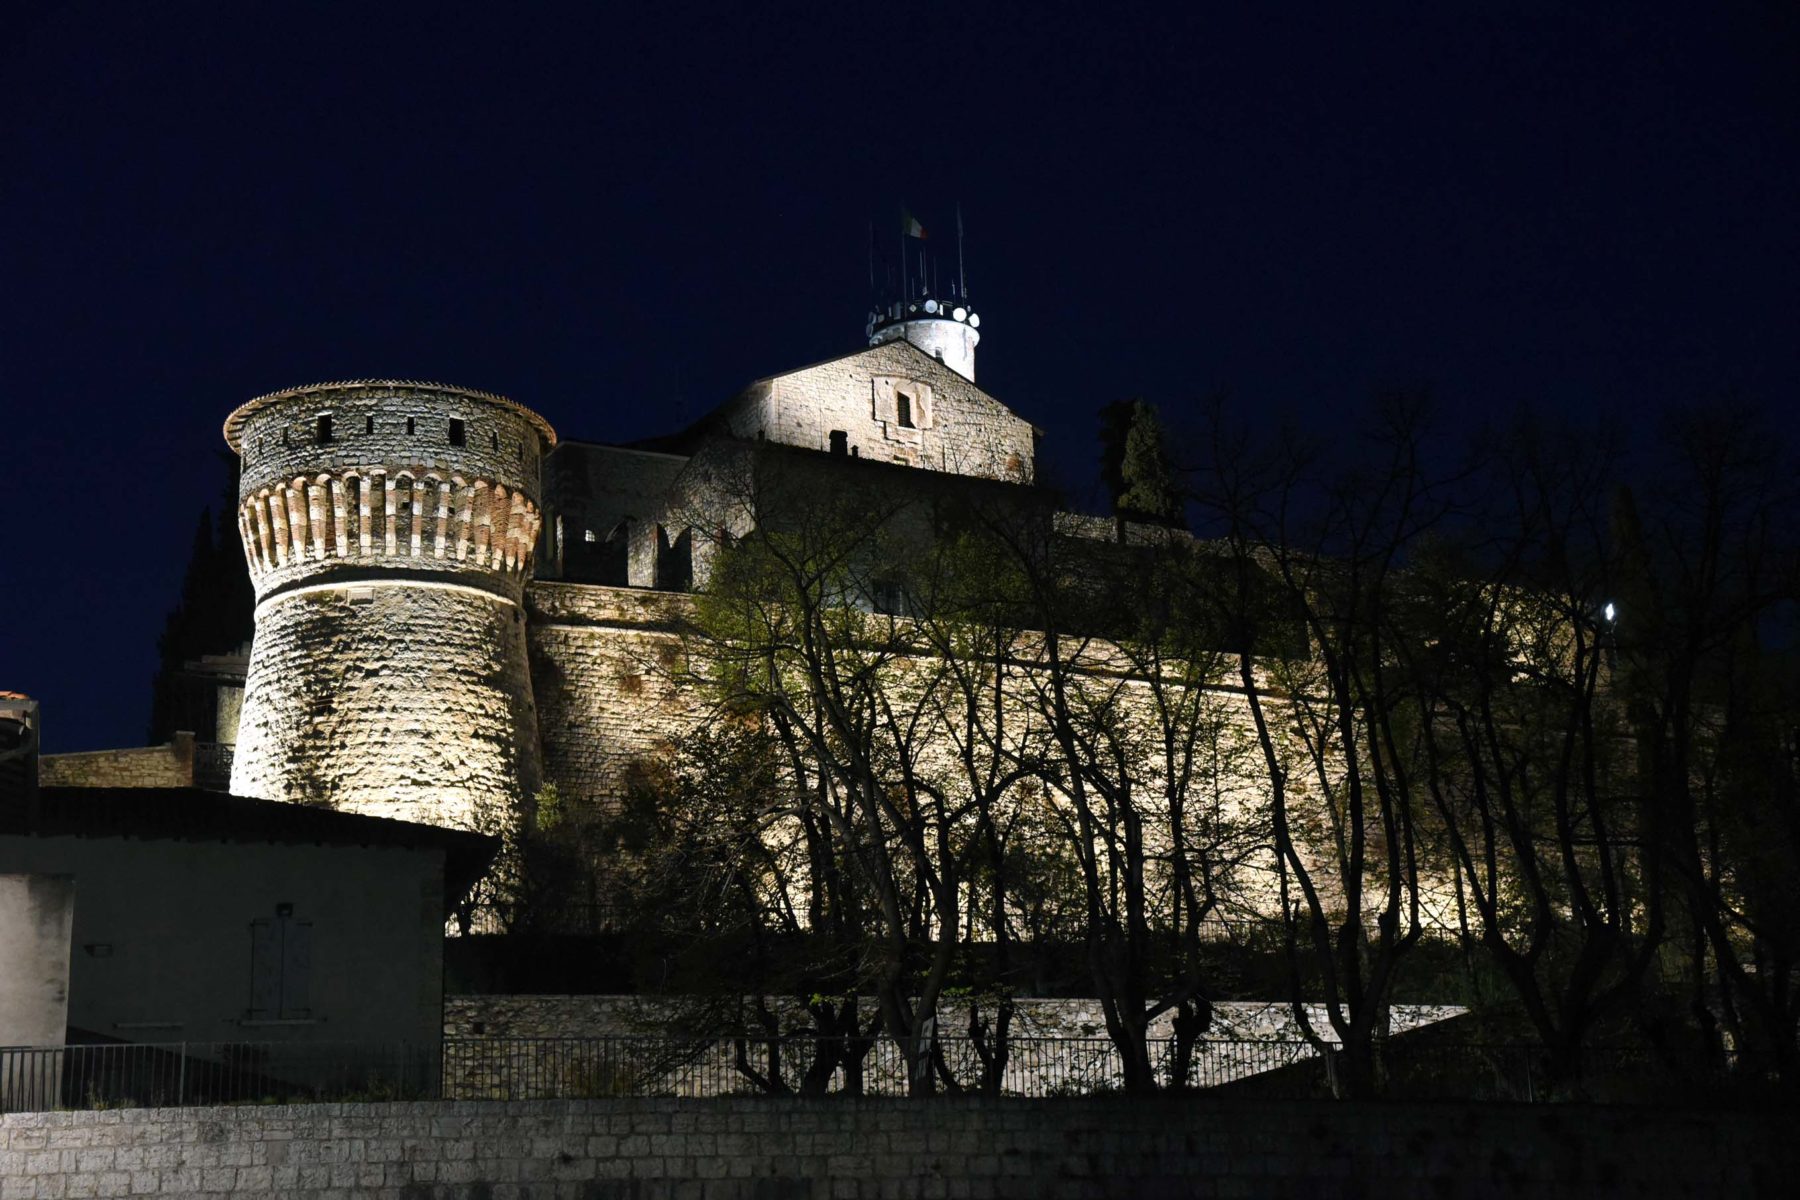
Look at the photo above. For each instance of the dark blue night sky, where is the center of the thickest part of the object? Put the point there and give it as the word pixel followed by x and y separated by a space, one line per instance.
pixel 620 214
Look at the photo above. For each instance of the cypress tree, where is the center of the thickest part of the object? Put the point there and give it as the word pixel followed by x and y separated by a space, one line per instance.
pixel 214 615
pixel 1134 463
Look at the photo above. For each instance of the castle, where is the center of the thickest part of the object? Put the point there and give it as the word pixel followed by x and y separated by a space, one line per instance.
pixel 453 607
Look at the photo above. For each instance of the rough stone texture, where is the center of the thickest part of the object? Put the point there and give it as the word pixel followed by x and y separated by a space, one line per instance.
pixel 601 663
pixel 958 428
pixel 388 673
pixel 168 765
pixel 278 435
pixel 811 1150
pixel 606 669
pixel 413 703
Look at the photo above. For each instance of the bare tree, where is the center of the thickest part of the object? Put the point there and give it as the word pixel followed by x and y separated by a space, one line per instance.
pixel 1316 550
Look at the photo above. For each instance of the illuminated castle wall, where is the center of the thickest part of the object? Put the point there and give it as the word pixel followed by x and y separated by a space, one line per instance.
pixel 453 609
pixel 390 530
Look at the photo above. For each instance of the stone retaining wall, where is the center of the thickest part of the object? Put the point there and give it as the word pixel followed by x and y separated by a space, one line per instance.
pixel 797 1150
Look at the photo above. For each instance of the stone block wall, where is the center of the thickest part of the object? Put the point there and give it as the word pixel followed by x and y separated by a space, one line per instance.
pixel 165 766
pixel 405 700
pixel 801 1150
pixel 387 422
pixel 958 428
pixel 602 663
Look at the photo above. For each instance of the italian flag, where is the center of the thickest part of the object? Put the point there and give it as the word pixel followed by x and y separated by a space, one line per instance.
pixel 909 225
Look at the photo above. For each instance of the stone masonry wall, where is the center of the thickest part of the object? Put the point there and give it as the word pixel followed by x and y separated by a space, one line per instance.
pixel 409 702
pixel 170 765
pixel 604 663
pixel 393 423
pixel 800 1150
pixel 600 663
pixel 957 428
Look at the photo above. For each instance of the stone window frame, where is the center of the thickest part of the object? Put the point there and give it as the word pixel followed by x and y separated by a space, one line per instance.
pixel 884 407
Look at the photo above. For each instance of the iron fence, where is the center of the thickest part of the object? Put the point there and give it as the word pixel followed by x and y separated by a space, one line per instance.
pixel 197 1073
pixel 212 766
pixel 180 1074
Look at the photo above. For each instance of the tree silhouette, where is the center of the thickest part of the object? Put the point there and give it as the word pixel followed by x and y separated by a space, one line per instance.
pixel 214 614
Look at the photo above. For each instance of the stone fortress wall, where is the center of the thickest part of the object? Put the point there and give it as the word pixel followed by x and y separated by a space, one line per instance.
pixel 411 661
pixel 618 689
pixel 601 663
pixel 390 528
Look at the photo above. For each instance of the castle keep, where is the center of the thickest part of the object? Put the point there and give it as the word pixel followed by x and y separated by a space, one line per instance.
pixel 454 608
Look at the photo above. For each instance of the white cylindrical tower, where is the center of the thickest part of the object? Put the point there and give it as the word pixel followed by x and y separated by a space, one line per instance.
pixel 945 329
pixel 389 527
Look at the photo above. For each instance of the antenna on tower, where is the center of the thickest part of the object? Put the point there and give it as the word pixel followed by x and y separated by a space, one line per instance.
pixel 905 294
pixel 962 280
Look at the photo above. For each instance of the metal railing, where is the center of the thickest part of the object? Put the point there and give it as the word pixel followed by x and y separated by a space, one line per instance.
pixel 197 1073
pixel 212 765
pixel 181 1074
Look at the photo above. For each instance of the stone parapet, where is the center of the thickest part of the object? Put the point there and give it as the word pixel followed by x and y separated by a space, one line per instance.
pixel 165 766
pixel 341 427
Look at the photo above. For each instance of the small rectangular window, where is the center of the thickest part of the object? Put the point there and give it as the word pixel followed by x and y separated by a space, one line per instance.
pixel 280 966
pixel 888 597
pixel 324 428
pixel 409 426
pixel 903 402
pixel 368 424
pixel 458 435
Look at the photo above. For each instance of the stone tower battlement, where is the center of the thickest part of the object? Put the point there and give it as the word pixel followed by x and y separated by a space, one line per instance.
pixel 341 478
pixel 389 527
pixel 401 517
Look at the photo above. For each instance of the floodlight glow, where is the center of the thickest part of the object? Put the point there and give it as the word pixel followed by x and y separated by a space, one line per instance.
pixel 1612 613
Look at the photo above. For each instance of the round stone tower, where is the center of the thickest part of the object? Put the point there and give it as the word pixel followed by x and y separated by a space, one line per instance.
pixel 945 329
pixel 390 527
